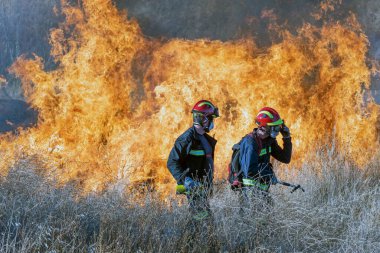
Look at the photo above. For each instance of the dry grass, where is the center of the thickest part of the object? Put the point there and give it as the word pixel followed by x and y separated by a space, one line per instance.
pixel 339 212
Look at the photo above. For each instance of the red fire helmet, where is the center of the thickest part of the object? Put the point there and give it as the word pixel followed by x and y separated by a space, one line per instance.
pixel 206 108
pixel 268 116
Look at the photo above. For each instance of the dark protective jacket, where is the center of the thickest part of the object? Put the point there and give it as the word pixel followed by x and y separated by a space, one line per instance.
pixel 255 156
pixel 188 153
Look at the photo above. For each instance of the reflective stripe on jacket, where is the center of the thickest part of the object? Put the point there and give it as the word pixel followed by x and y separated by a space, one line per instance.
pixel 253 161
pixel 188 152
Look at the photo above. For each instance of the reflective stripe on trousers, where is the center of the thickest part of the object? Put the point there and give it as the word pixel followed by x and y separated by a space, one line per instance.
pixel 252 182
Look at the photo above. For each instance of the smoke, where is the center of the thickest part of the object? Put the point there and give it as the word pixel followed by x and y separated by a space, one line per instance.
pixel 25 25
pixel 231 20
pixel 216 19
pixel 24 30
pixel 370 18
pixel 14 114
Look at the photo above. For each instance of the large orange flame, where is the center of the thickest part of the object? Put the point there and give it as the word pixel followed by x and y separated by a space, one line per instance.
pixel 117 100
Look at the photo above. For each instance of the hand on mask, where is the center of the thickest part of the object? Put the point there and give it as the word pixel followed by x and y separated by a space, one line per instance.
pixel 285 132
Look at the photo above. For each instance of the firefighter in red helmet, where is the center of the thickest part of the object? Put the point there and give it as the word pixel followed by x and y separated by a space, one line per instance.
pixel 191 160
pixel 257 147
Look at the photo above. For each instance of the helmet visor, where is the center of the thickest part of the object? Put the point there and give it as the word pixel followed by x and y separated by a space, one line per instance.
pixel 216 112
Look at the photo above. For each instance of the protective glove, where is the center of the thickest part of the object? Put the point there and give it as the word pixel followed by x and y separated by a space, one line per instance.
pixel 191 184
pixel 273 180
pixel 285 132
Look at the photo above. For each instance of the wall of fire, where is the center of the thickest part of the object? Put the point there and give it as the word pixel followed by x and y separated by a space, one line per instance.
pixel 25 25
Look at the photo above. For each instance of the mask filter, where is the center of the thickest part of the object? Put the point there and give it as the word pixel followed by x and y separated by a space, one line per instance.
pixel 211 126
pixel 208 124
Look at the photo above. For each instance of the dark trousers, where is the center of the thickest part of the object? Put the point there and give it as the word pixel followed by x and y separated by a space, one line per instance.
pixel 199 203
pixel 255 198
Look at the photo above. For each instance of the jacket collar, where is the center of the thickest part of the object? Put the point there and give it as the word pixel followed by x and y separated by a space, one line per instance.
pixel 208 137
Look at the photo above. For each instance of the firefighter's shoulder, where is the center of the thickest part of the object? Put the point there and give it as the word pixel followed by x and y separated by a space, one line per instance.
pixel 186 136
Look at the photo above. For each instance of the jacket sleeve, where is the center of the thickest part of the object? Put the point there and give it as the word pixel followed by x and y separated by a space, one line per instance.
pixel 249 158
pixel 283 155
pixel 176 158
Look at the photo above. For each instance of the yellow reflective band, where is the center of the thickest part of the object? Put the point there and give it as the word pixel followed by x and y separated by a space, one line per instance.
pixel 206 103
pixel 276 123
pixel 270 115
pixel 264 151
pixel 252 182
pixel 197 152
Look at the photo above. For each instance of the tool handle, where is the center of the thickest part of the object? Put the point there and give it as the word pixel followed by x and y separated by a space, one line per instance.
pixel 295 187
pixel 287 184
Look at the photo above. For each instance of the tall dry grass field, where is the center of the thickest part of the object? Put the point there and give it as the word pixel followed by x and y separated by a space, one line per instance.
pixel 339 212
